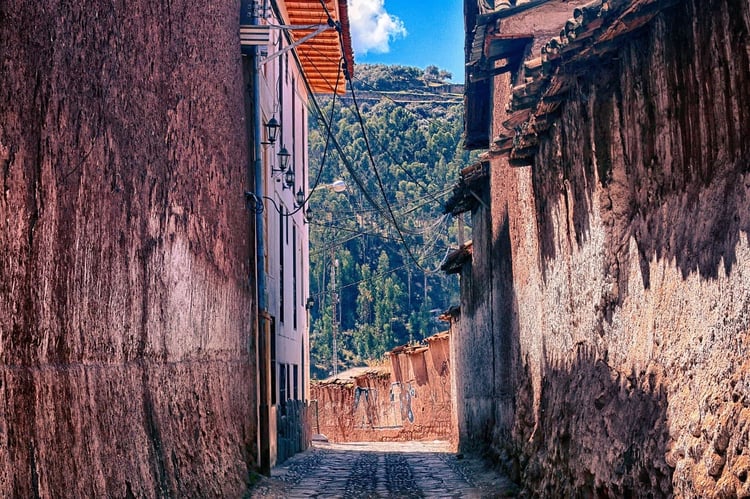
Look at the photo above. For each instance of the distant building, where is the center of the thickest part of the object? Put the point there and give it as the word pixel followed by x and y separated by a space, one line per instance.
pixel 407 398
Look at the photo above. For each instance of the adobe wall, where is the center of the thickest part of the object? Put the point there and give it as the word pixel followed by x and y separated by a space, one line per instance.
pixel 473 341
pixel 411 400
pixel 126 351
pixel 621 271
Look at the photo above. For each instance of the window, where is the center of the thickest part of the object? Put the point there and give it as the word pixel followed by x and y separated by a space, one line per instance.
pixel 302 357
pixel 294 120
pixel 283 384
pixel 288 382
pixel 281 87
pixel 304 149
pixel 294 276
pixel 295 370
pixel 266 230
pixel 281 262
pixel 273 361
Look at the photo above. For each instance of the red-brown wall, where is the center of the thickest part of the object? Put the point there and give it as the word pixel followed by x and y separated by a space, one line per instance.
pixel 126 351
pixel 610 277
pixel 408 400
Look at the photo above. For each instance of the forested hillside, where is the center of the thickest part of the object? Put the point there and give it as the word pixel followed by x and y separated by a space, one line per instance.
pixel 385 236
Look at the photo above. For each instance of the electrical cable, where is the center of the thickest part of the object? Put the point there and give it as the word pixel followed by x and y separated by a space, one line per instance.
pixel 390 216
pixel 374 276
pixel 379 179
pixel 317 178
pixel 403 106
pixel 358 180
pixel 387 151
pixel 347 164
pixel 394 161
pixel 357 233
pixel 353 231
pixel 406 205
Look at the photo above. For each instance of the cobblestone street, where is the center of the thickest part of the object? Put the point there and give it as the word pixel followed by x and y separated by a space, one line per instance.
pixel 375 470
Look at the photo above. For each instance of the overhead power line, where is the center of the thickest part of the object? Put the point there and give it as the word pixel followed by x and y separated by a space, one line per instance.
pixel 380 180
pixel 388 212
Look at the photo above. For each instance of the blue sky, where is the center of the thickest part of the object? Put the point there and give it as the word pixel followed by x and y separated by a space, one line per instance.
pixel 408 32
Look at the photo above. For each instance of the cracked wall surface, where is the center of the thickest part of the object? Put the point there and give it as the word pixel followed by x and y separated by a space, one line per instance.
pixel 409 400
pixel 126 351
pixel 620 264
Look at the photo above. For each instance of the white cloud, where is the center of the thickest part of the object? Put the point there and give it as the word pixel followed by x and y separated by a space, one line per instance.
pixel 372 27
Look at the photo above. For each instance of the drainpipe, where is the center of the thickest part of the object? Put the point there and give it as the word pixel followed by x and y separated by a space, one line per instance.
pixel 263 323
pixel 258 165
pixel 251 64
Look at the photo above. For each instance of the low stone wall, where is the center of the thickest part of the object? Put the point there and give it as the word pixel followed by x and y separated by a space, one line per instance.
pixel 408 400
pixel 293 424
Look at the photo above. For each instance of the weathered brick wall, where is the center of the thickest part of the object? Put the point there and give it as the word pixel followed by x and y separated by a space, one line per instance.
pixel 126 363
pixel 622 263
pixel 409 401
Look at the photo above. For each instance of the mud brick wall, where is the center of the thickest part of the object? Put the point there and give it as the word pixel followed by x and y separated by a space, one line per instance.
pixel 619 265
pixel 409 401
pixel 126 364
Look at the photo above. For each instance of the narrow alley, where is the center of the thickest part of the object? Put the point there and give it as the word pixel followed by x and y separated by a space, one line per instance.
pixel 375 249
pixel 382 469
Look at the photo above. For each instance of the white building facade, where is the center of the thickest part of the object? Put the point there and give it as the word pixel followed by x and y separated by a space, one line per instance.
pixel 295 48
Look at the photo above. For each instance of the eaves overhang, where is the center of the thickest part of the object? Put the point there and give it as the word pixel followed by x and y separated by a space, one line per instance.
pixel 451 314
pixel 321 56
pixel 455 260
pixel 467 191
pixel 593 34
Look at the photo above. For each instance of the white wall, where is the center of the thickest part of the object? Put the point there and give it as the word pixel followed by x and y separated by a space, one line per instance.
pixel 284 95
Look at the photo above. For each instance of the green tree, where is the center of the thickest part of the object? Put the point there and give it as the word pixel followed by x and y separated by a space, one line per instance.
pixel 385 298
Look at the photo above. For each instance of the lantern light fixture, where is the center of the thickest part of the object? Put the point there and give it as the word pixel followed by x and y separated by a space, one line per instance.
pixel 300 197
pixel 289 179
pixel 272 130
pixel 284 158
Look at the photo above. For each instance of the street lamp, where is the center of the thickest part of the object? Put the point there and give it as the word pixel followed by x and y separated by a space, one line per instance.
pixel 272 130
pixel 336 186
pixel 284 157
pixel 288 179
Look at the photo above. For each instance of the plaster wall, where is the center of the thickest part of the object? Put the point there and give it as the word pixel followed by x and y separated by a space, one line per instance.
pixel 284 96
pixel 126 325
pixel 473 340
pixel 620 265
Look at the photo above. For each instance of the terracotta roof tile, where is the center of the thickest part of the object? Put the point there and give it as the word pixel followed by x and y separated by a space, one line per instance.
pixel 595 29
pixel 320 56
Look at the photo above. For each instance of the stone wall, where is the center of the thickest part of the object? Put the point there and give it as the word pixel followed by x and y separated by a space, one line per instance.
pixel 126 350
pixel 408 400
pixel 620 302
pixel 294 427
